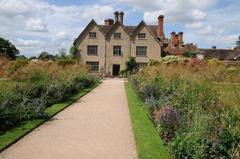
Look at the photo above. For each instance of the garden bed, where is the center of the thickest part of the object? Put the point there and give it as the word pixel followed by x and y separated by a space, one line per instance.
pixel 148 142
pixel 31 90
pixel 195 108
pixel 23 128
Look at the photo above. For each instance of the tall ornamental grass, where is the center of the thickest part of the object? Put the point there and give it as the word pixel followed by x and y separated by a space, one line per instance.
pixel 196 109
pixel 31 87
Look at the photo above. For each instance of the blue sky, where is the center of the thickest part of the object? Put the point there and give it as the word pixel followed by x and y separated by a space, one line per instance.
pixel 49 25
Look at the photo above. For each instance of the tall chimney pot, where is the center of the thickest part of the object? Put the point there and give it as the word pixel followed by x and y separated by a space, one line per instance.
pixel 180 38
pixel 160 27
pixel 120 18
pixel 116 14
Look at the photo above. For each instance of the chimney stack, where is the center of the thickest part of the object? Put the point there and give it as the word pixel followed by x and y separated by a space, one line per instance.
pixel 108 22
pixel 160 27
pixel 116 14
pixel 180 38
pixel 173 38
pixel 120 18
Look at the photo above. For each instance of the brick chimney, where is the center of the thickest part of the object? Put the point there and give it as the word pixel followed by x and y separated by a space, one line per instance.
pixel 180 38
pixel 173 38
pixel 120 18
pixel 108 22
pixel 116 14
pixel 160 31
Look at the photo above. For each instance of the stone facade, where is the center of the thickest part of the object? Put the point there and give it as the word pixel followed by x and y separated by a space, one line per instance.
pixel 114 42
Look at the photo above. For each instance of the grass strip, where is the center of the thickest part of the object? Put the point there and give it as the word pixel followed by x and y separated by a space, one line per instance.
pixel 148 142
pixel 23 128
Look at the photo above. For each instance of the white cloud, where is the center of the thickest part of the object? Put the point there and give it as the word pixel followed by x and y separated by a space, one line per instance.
pixel 198 14
pixel 195 25
pixel 205 22
pixel 29 22
pixel 174 10
pixel 62 35
pixel 36 25
pixel 13 7
pixel 206 30
pixel 28 43
pixel 151 17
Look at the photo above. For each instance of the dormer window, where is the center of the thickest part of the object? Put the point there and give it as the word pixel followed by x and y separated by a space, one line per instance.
pixel 117 35
pixel 92 34
pixel 141 35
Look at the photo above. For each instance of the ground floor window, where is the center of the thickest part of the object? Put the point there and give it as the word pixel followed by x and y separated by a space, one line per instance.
pixel 93 65
pixel 141 65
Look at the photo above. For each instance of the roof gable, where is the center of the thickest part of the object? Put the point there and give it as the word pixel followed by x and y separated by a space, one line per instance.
pixel 86 30
pixel 114 27
pixel 151 29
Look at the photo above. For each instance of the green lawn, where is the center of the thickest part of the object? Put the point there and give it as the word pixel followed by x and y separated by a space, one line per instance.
pixel 148 142
pixel 23 128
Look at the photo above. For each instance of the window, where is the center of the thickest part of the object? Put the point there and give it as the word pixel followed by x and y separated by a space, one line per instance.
pixel 93 66
pixel 141 35
pixel 117 50
pixel 141 65
pixel 92 34
pixel 92 50
pixel 117 35
pixel 141 51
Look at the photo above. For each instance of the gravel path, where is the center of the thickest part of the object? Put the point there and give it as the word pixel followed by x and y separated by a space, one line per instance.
pixel 95 127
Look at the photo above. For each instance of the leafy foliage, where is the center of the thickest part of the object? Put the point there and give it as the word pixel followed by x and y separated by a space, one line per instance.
pixel 131 64
pixel 32 87
pixel 189 54
pixel 74 53
pixel 195 108
pixel 46 56
pixel 8 49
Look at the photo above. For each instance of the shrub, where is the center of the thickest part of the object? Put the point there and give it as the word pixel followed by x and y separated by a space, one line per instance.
pixel 67 61
pixel 32 87
pixel 17 64
pixel 195 108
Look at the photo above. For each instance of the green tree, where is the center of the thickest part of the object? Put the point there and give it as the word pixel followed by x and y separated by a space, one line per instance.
pixel 45 56
pixel 238 42
pixel 62 54
pixel 189 54
pixel 131 64
pixel 21 57
pixel 8 49
pixel 74 52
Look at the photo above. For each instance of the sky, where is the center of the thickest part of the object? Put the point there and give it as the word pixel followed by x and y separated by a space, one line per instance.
pixel 49 25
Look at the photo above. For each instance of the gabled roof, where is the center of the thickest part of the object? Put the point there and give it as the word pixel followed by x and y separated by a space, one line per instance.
pixel 79 38
pixel 108 30
pixel 151 28
pixel 114 26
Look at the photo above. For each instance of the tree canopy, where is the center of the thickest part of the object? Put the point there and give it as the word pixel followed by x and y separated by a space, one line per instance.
pixel 74 52
pixel 8 49
pixel 46 56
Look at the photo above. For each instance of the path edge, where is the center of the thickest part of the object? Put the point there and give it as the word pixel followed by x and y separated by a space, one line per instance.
pixel 49 118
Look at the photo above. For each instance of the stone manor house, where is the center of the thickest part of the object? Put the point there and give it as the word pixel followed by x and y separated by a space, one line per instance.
pixel 106 48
